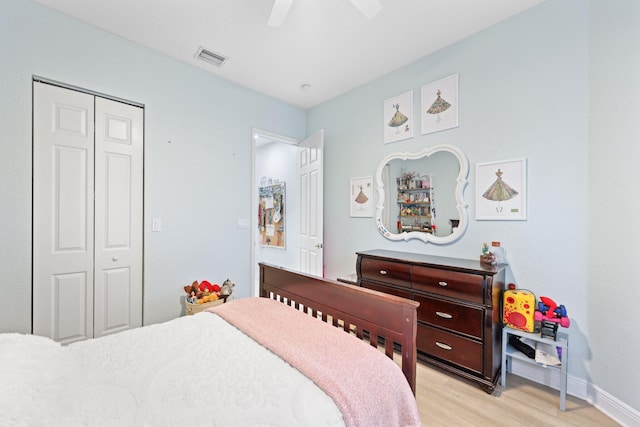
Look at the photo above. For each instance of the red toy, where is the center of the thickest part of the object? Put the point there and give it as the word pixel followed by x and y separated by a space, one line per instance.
pixel 206 286
pixel 549 311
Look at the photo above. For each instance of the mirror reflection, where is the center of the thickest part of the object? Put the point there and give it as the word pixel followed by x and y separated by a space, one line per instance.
pixel 421 195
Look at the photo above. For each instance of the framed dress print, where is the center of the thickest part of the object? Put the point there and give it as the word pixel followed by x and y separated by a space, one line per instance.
pixel 360 197
pixel 501 190
pixel 398 118
pixel 439 105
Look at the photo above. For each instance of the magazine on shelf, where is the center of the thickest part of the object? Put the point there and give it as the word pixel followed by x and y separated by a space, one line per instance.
pixel 547 354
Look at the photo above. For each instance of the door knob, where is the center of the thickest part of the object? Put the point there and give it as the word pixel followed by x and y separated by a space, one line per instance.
pixel 114 259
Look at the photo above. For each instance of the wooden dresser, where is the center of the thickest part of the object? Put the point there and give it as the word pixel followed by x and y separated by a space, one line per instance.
pixel 459 318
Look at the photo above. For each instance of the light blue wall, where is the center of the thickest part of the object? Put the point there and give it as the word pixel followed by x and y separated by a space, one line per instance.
pixel 199 185
pixel 525 87
pixel 614 202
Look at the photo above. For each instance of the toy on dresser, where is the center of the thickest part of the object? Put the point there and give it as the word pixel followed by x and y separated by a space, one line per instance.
pixel 550 315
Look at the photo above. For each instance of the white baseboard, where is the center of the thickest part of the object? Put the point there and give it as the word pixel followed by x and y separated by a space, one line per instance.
pixel 606 403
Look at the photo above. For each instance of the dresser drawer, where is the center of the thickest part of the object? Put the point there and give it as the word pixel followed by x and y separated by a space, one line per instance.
pixel 451 348
pixel 387 289
pixel 465 286
pixel 385 271
pixel 456 317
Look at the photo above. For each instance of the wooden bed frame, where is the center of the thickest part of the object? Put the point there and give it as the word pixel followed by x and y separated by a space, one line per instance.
pixel 381 317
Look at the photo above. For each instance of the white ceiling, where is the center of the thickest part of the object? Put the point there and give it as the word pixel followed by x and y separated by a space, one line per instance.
pixel 327 44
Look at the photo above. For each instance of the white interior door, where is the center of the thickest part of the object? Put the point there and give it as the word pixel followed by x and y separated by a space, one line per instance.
pixel 87 258
pixel 118 217
pixel 63 152
pixel 310 172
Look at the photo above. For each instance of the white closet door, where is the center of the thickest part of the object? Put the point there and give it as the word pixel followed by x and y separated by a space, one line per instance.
pixel 63 153
pixel 118 216
pixel 87 214
pixel 310 172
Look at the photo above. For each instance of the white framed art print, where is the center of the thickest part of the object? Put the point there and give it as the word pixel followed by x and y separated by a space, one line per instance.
pixel 501 190
pixel 398 118
pixel 439 105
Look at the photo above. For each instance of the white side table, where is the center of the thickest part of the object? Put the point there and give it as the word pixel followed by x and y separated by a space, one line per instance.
pixel 509 353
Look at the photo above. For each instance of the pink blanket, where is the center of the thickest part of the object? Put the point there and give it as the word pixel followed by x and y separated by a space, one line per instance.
pixel 368 387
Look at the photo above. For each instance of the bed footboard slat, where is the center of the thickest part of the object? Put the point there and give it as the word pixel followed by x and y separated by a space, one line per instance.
pixel 373 340
pixel 388 349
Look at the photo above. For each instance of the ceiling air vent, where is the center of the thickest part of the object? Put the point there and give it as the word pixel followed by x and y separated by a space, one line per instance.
pixel 210 57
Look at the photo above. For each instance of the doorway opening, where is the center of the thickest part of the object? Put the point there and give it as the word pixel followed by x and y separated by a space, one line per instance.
pixel 274 159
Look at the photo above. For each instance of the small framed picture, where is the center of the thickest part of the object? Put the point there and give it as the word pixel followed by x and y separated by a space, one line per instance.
pixel 439 105
pixel 361 197
pixel 398 118
pixel 501 190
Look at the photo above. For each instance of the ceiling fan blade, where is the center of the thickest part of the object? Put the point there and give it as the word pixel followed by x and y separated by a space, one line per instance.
pixel 279 12
pixel 369 8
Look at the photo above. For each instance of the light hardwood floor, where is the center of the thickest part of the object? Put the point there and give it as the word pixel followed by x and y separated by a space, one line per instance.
pixel 447 400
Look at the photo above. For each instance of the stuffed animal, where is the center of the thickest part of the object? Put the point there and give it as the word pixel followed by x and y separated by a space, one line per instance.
pixel 192 299
pixel 206 287
pixel 193 291
pixel 188 289
pixel 227 288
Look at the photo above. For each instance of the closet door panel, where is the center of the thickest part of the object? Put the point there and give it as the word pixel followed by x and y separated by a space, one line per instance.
pixel 69 207
pixel 118 216
pixel 115 300
pixel 63 152
pixel 70 304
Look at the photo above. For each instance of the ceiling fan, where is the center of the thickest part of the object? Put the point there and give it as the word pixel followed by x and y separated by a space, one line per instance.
pixel 369 8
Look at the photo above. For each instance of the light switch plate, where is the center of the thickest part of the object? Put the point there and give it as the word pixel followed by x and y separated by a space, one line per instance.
pixel 243 223
pixel 156 224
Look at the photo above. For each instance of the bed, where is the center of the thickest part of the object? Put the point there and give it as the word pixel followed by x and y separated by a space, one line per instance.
pixel 232 365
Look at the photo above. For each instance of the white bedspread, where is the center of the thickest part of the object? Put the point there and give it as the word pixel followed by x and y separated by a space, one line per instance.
pixel 147 377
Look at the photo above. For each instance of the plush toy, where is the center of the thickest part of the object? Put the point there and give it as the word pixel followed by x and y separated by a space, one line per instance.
pixel 206 287
pixel 227 288
pixel 192 299
pixel 188 289
pixel 193 291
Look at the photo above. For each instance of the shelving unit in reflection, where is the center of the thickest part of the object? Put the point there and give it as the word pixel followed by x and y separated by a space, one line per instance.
pixel 416 204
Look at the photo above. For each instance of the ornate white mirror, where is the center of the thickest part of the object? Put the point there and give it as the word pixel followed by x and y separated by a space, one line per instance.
pixel 421 195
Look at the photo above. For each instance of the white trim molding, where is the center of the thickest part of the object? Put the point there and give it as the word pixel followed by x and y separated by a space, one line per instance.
pixel 609 405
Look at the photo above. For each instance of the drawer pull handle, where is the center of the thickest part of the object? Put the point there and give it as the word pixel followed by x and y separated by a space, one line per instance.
pixel 443 346
pixel 443 284
pixel 444 315
pixel 383 272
